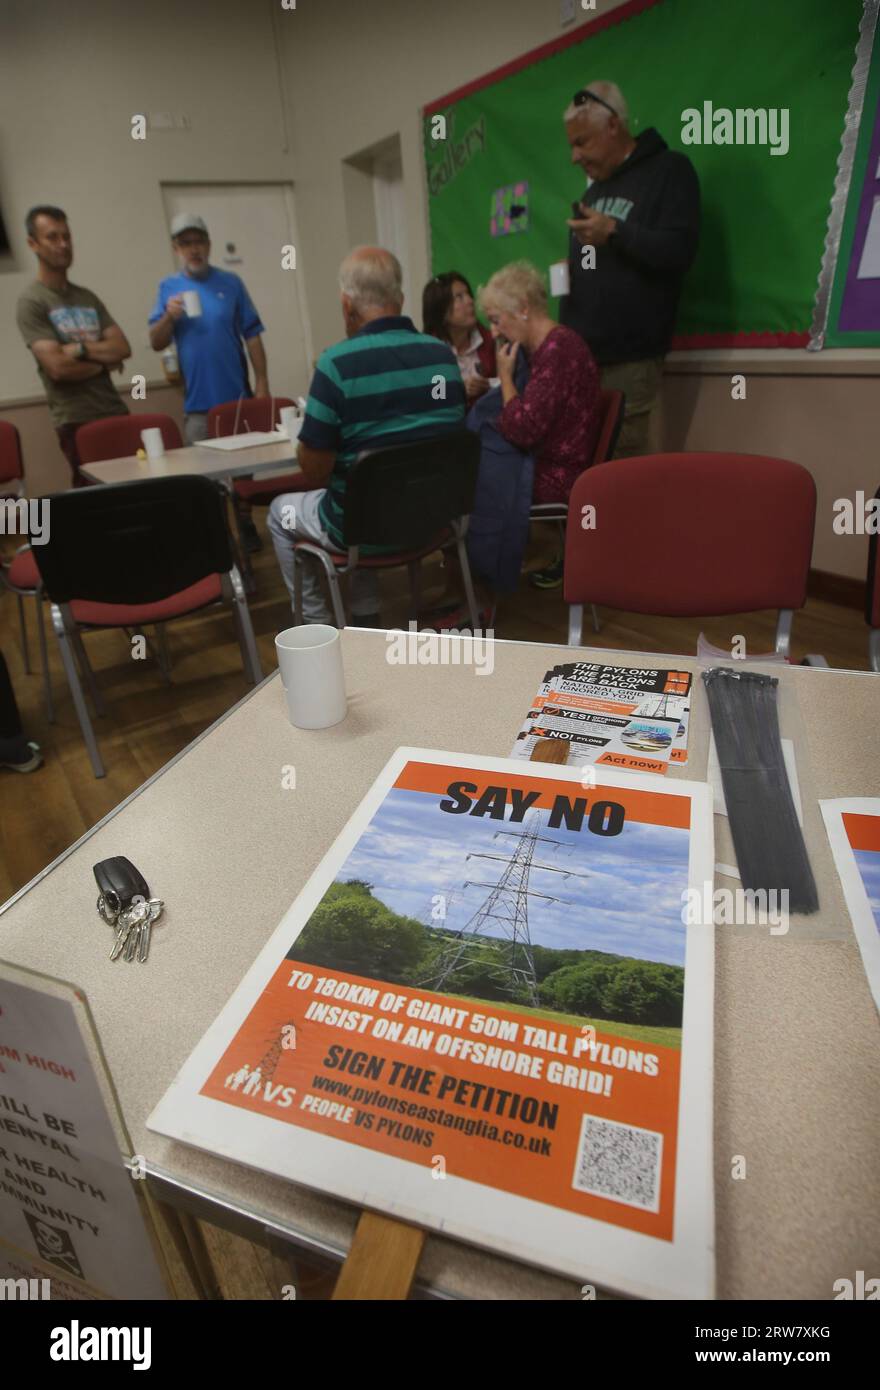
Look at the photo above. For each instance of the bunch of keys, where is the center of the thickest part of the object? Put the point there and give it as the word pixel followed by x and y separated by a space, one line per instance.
pixel 124 903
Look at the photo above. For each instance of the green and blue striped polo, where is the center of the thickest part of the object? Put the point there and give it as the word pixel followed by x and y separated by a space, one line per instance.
pixel 379 387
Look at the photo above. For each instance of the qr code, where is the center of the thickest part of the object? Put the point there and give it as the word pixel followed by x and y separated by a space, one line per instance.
pixel 619 1162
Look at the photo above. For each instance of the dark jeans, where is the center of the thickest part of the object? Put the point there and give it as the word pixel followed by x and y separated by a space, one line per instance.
pixel 67 440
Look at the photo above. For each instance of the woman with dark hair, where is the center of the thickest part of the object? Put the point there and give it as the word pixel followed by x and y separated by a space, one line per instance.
pixel 448 313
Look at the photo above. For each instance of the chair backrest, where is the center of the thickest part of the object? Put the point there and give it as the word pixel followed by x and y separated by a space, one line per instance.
pixel 119 436
pixel 403 495
pixel 251 413
pixel 691 534
pixel 134 542
pixel 872 587
pixel 11 466
pixel 612 406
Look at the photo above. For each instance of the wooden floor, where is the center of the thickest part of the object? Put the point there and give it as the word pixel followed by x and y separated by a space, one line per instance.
pixel 148 721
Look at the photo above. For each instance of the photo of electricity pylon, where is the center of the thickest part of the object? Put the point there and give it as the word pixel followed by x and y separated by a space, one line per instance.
pixel 508 905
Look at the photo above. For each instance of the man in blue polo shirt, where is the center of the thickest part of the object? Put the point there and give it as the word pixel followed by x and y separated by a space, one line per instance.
pixel 209 340
pixel 377 387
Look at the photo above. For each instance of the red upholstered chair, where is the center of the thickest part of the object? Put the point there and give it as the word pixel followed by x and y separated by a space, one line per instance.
pixel 611 405
pixel 19 573
pixel 691 535
pixel 130 554
pixel 11 463
pixel 119 436
pixel 255 413
pixel 872 598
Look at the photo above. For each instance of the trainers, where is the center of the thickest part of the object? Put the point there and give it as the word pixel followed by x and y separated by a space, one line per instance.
pixel 550 577
pixel 20 755
pixel 250 537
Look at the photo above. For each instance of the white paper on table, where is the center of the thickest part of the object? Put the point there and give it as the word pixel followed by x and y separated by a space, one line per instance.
pixel 713 777
pixel 859 871
pixel 56 1130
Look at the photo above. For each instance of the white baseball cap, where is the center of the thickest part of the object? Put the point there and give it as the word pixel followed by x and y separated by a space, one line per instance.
pixel 186 222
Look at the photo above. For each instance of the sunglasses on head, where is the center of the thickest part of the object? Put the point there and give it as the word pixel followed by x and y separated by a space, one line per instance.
pixel 584 95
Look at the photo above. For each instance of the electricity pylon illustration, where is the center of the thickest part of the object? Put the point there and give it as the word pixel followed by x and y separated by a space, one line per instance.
pixel 507 903
pixel 267 1066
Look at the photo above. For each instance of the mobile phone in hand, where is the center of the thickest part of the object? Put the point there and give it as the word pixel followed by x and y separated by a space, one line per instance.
pixel 576 210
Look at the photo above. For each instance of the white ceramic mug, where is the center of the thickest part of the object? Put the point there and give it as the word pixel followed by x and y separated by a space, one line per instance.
pixel 192 304
pixel 154 445
pixel 310 662
pixel 559 279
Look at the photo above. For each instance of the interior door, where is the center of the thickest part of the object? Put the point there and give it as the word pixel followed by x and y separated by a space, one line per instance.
pixel 249 225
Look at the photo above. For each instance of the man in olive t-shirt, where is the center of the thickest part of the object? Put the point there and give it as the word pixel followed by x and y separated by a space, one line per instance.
pixel 72 336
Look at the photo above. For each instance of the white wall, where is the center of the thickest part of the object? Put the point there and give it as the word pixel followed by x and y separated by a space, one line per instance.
pixel 73 77
pixel 364 76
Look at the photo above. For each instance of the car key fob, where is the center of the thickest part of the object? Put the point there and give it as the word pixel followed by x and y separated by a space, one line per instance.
pixel 119 882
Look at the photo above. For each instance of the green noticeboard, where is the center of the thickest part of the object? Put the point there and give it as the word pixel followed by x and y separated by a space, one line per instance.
pixel 501 183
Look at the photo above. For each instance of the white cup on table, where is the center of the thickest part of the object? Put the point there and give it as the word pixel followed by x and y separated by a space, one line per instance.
pixel 310 662
pixel 154 445
pixel 192 304
pixel 291 422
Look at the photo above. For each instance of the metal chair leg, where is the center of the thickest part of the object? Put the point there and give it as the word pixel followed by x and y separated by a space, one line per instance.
pixel 66 648
pixel 44 657
pixel 163 658
pixel 248 642
pixel 874 649
pixel 87 672
pixel 597 626
pixel 575 624
pixel 336 596
pixel 783 631
pixel 467 580
pixel 25 654
pixel 297 589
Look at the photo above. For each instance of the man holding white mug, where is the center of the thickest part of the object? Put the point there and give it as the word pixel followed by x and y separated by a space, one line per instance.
pixel 209 314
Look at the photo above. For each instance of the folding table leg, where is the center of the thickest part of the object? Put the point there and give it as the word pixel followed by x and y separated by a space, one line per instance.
pixel 82 713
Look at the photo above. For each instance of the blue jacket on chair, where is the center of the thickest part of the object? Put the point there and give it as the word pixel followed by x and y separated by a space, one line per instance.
pixel 498 529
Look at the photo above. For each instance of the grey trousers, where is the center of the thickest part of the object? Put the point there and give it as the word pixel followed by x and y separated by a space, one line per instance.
pixel 195 427
pixel 294 516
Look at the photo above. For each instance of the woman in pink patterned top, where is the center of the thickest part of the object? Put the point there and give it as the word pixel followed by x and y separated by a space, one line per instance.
pixel 557 417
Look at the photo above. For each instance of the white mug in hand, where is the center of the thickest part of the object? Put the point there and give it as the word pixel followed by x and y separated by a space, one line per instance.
pixel 310 662
pixel 192 304
pixel 154 445
pixel 559 279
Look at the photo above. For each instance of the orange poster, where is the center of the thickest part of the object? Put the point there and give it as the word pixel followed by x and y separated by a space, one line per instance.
pixel 485 1013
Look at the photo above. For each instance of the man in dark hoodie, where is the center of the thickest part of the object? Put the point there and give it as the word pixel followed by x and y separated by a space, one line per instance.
pixel 640 215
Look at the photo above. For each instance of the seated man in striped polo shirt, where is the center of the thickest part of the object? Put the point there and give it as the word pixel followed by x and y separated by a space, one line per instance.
pixel 345 416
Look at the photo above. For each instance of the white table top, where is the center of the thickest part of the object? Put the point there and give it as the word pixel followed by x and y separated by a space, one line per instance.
pixel 797 1060
pixel 206 463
